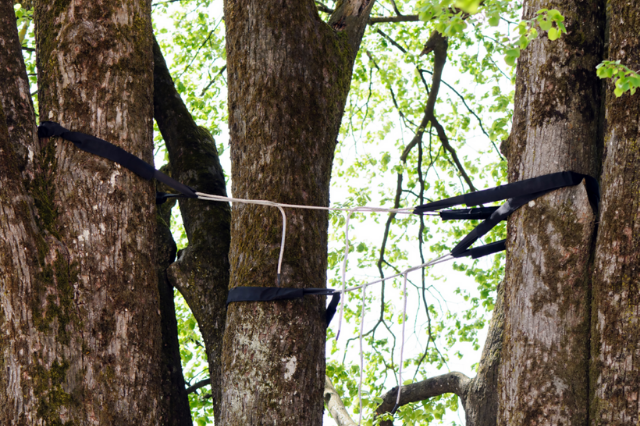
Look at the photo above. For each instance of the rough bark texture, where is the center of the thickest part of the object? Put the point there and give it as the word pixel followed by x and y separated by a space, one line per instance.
pixel 201 272
pixel 480 401
pixel 615 376
pixel 80 313
pixel 289 75
pixel 543 375
pixel 14 91
pixel 176 402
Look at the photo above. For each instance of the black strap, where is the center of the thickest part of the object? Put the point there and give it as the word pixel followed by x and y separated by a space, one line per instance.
pixel 468 214
pixel 485 250
pixel 528 186
pixel 518 194
pixel 107 150
pixel 268 294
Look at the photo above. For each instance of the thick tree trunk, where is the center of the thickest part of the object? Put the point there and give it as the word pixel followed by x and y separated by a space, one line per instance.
pixel 201 273
pixel 616 288
pixel 289 75
pixel 80 311
pixel 543 376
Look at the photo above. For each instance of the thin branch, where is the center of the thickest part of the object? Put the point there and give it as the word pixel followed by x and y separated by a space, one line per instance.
pixel 200 47
pixel 335 405
pixel 464 102
pixel 165 2
pixel 323 8
pixel 218 74
pixel 438 45
pixel 393 95
pixel 447 146
pixel 200 384
pixel 391 40
pixel 394 19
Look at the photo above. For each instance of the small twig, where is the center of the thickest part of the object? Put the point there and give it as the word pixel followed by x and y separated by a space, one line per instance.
pixel 391 40
pixel 213 80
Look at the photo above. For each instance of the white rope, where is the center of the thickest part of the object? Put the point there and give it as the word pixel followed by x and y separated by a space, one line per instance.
pixel 364 293
pixel 404 321
pixel 344 273
pixel 344 290
pixel 281 206
pixel 441 259
pixel 363 209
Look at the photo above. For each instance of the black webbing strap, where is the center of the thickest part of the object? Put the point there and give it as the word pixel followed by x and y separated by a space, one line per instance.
pixel 484 250
pixel 480 213
pixel 268 294
pixel 517 195
pixel 107 150
pixel 528 186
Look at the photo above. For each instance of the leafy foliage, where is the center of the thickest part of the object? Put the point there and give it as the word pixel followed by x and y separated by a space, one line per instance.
pixel 625 79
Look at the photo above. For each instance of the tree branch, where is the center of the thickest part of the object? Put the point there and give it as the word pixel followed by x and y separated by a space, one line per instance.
pixel 394 19
pixel 438 45
pixel 202 270
pixel 200 384
pixel 335 405
pixel 447 383
pixel 352 17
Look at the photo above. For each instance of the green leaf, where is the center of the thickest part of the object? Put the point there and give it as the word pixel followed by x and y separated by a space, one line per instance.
pixel 553 34
pixel 513 52
pixel 545 25
pixel 469 6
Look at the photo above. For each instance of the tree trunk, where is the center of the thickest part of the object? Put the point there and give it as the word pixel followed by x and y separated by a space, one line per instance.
pixel 175 399
pixel 14 92
pixel 289 75
pixel 615 328
pixel 544 372
pixel 201 273
pixel 80 297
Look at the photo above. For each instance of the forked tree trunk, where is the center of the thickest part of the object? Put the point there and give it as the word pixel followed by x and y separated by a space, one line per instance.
pixel 544 371
pixel 289 75
pixel 80 315
pixel 615 376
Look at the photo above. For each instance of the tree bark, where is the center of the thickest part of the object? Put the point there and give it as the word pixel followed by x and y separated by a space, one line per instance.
pixel 544 372
pixel 289 75
pixel 80 298
pixel 201 273
pixel 175 398
pixel 15 95
pixel 615 329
